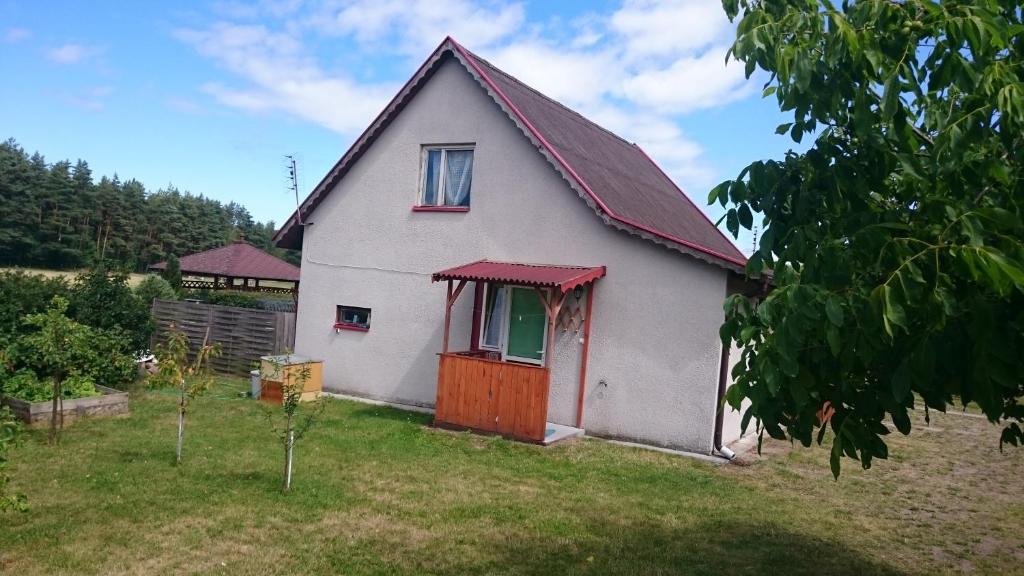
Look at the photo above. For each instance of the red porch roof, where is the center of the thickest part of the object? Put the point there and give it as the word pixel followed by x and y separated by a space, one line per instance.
pixel 564 278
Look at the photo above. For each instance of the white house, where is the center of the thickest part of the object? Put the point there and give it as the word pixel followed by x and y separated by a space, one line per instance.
pixel 487 252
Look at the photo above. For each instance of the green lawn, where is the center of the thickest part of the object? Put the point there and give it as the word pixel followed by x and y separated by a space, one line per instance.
pixel 377 491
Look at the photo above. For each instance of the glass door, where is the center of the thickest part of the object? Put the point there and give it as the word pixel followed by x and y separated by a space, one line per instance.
pixel 527 326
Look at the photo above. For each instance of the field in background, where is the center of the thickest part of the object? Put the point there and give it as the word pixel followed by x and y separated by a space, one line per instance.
pixel 378 491
pixel 133 279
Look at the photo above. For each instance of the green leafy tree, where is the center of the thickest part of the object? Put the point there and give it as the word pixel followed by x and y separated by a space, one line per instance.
pixel 896 237
pixel 102 299
pixel 9 428
pixel 172 273
pixel 51 350
pixel 154 287
pixel 190 376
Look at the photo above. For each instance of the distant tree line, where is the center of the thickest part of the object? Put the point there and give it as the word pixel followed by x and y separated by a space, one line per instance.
pixel 56 216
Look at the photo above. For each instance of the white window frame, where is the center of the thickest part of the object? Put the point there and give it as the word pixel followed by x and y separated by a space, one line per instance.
pixel 503 334
pixel 443 171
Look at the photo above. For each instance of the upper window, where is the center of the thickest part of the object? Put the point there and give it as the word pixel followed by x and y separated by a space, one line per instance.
pixel 447 176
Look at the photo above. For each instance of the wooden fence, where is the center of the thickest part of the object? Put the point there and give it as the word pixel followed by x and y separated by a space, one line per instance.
pixel 243 333
pixel 502 397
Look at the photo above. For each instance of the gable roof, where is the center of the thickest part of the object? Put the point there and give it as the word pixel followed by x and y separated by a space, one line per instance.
pixel 614 177
pixel 237 260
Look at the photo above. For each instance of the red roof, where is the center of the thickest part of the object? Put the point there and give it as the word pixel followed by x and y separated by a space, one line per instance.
pixel 237 260
pixel 564 278
pixel 615 177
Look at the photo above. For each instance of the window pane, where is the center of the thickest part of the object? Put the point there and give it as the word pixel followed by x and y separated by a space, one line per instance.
pixel 430 178
pixel 458 177
pixel 494 316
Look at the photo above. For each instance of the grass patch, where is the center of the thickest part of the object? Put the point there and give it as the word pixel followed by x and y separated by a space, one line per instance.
pixel 377 491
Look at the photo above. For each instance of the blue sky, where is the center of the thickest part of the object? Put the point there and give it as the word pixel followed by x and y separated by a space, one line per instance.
pixel 210 96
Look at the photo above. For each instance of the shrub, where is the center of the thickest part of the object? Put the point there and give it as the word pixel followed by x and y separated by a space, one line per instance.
pixel 22 294
pixel 227 298
pixel 103 300
pixel 25 385
pixel 154 287
pixel 172 273
pixel 98 355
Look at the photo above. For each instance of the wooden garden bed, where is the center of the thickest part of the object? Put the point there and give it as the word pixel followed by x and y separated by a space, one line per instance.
pixel 112 402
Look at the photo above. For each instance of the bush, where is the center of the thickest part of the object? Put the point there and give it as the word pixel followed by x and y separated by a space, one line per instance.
pixel 227 298
pixel 25 385
pixel 22 294
pixel 82 351
pixel 154 287
pixel 103 300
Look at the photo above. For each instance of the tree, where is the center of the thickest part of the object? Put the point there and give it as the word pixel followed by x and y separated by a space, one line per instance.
pixel 895 239
pixel 294 425
pixel 154 287
pixel 190 377
pixel 102 299
pixel 172 273
pixel 53 348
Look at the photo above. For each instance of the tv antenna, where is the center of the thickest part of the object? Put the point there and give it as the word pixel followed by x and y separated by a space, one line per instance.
pixel 293 177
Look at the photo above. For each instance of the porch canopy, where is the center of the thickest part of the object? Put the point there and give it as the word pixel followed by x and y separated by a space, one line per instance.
pixel 478 391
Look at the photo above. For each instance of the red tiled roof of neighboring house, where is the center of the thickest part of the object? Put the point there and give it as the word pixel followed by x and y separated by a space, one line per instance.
pixel 237 260
pixel 565 278
pixel 614 177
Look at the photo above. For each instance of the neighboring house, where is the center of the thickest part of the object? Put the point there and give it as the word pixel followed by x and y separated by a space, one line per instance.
pixel 237 266
pixel 466 199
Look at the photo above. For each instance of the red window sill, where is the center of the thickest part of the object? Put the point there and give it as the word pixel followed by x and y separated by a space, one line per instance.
pixel 353 327
pixel 440 208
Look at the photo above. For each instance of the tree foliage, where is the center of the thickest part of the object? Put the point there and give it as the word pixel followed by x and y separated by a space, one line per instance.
pixel 154 287
pixel 57 216
pixel 896 238
pixel 102 299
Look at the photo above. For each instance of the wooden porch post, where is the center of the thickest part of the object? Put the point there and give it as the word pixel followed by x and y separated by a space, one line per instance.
pixel 552 306
pixel 447 318
pixel 449 301
pixel 585 355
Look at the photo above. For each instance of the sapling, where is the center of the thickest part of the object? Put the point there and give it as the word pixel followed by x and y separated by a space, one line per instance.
pixel 190 377
pixel 295 425
pixel 52 349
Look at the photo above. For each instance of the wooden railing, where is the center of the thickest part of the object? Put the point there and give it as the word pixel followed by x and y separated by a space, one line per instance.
pixel 502 397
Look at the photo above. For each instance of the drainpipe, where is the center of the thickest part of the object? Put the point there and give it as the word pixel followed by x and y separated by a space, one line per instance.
pixel 723 375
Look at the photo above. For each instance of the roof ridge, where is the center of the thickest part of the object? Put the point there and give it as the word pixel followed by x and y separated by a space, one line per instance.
pixel 546 97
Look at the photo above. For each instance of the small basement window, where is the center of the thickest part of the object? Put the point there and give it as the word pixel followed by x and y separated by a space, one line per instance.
pixel 446 177
pixel 352 318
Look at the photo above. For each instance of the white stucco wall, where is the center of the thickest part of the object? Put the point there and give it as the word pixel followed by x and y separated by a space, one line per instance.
pixel 654 351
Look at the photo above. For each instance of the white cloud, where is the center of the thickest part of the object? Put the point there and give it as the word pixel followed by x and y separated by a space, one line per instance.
pixel 574 77
pixel 15 35
pixel 417 26
pixel 281 75
pixel 668 28
pixel 689 83
pixel 636 69
pixel 70 53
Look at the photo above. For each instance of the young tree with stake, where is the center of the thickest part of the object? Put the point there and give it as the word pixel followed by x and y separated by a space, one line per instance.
pixel 295 425
pixel 190 377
